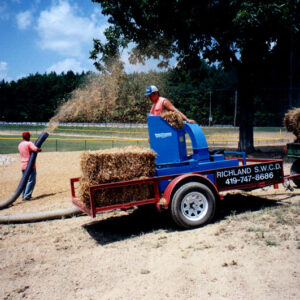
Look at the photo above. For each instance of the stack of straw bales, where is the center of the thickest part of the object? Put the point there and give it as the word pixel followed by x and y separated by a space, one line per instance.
pixel 173 118
pixel 292 122
pixel 114 165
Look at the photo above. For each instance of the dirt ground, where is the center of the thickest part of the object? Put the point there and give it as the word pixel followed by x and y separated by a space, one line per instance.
pixel 251 250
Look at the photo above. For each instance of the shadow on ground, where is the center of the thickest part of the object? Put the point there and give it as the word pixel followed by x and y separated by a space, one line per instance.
pixel 133 223
pixel 43 196
pixel 235 204
pixel 147 219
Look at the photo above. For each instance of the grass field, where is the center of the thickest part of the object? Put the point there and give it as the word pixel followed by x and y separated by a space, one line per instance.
pixel 79 138
pixel 85 130
pixel 66 143
pixel 128 131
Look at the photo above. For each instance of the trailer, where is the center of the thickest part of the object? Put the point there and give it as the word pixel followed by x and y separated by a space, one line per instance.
pixel 190 185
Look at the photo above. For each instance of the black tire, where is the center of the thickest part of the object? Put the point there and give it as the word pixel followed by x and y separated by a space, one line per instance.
pixel 295 169
pixel 193 205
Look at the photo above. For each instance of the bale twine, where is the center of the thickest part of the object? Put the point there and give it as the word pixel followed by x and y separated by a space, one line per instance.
pixel 173 118
pixel 292 122
pixel 114 165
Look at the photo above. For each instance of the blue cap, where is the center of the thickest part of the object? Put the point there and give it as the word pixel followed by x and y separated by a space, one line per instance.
pixel 151 89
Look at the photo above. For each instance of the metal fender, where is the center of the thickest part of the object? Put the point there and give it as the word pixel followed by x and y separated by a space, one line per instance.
pixel 182 179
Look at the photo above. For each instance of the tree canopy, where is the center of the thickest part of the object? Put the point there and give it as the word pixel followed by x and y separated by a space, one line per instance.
pixel 36 97
pixel 238 34
pixel 119 97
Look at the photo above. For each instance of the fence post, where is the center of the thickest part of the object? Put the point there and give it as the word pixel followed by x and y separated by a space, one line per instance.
pixel 56 145
pixel 210 116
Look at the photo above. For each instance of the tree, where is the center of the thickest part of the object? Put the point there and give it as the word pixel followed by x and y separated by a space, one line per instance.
pixel 237 34
pixel 35 97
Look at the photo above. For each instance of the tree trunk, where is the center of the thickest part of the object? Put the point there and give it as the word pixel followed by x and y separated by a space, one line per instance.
pixel 246 88
pixel 246 141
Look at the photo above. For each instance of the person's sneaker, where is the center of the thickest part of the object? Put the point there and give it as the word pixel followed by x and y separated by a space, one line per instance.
pixel 26 198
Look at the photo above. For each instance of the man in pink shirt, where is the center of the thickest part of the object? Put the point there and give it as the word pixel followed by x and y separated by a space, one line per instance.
pixel 25 147
pixel 161 104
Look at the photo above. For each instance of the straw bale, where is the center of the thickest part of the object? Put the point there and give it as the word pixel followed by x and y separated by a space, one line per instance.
pixel 173 118
pixel 292 122
pixel 114 165
pixel 113 196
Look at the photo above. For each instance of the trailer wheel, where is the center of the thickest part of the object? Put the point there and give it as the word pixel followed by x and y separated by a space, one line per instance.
pixel 295 169
pixel 193 205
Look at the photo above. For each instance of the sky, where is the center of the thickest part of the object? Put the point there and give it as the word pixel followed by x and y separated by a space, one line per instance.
pixel 41 36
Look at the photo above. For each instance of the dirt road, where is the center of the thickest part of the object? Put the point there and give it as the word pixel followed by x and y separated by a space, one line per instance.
pixel 250 251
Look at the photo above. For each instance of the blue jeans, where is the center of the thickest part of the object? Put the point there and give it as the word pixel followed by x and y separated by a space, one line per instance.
pixel 28 189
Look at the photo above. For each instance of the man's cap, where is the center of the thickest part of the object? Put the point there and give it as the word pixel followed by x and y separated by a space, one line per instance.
pixel 151 89
pixel 26 134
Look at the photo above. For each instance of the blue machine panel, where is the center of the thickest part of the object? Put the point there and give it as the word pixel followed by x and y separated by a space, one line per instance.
pixel 170 145
pixel 162 170
pixel 166 141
